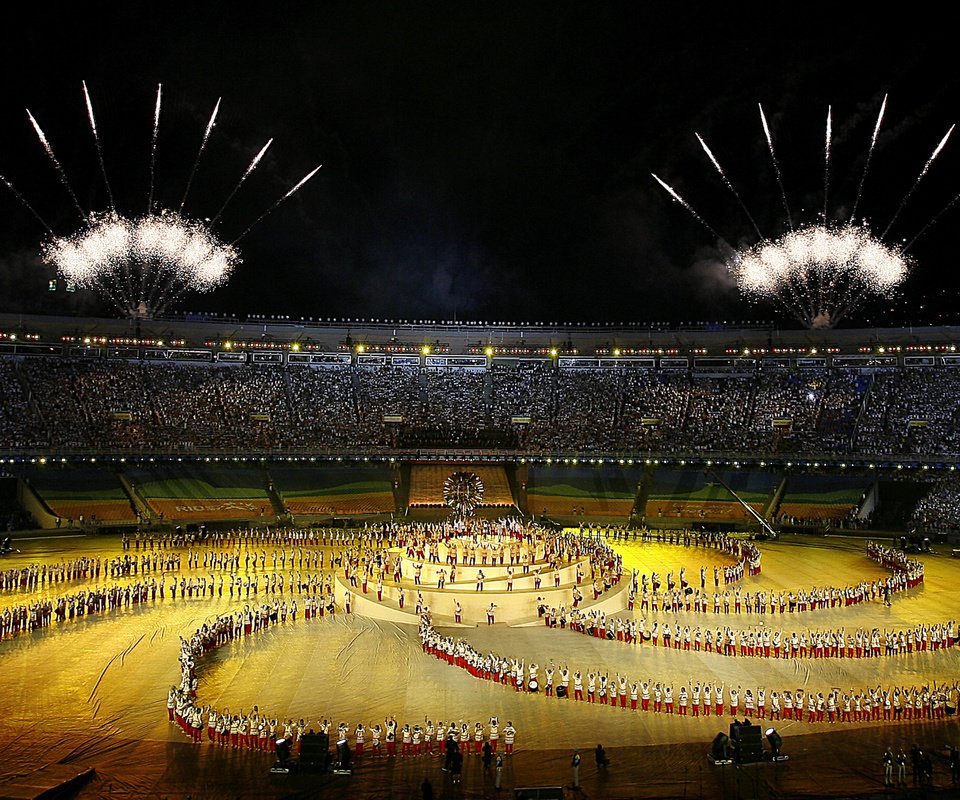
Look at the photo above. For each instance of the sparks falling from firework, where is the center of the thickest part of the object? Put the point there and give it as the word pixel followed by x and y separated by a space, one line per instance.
pixel 676 196
pixel 203 146
pixel 920 177
pixel 820 271
pixel 48 149
pixel 153 145
pixel 144 263
pixel 776 165
pixel 290 193
pixel 96 139
pixel 866 164
pixel 250 169
pixel 828 141
pixel 726 182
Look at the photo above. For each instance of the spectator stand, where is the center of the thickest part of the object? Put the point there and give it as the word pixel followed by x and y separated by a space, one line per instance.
pixel 77 495
pixel 201 492
pixel 331 491
pixel 600 493
pixel 691 496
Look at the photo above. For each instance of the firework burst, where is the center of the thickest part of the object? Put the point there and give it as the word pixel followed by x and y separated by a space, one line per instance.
pixel 143 263
pixel 820 270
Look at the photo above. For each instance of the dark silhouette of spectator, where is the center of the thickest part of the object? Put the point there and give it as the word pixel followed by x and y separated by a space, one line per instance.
pixel 601 757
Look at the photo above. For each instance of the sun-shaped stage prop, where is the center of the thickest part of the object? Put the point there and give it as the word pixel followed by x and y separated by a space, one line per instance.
pixel 463 492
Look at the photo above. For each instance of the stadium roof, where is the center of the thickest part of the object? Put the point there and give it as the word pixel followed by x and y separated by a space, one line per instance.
pixel 474 338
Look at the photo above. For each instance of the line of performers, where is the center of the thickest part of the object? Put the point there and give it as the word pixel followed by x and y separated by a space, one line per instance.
pixel 694 698
pixel 257 730
pixel 764 642
pixel 905 574
pixel 27 617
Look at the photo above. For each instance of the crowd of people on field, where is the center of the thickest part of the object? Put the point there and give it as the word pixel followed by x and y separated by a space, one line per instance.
pixel 760 641
pixel 693 698
pixel 278 575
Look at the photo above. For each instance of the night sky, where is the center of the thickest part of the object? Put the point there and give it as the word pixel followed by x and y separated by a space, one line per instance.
pixel 482 161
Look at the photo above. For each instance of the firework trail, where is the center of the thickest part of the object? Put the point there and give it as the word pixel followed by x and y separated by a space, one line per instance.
pixel 26 205
pixel 250 169
pixel 726 181
pixel 203 145
pixel 776 165
pixel 920 177
pixel 866 166
pixel 673 193
pixel 820 271
pixel 290 193
pixel 56 164
pixel 153 144
pixel 96 139
pixel 826 161
pixel 143 263
pixel 933 221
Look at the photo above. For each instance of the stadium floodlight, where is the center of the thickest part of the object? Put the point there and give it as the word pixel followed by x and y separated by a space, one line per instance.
pixel 776 742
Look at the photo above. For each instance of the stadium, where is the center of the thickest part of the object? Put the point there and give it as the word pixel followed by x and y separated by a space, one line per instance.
pixel 671 448
pixel 612 425
pixel 406 513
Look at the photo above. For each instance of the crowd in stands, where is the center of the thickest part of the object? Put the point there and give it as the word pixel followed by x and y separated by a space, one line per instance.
pixel 940 509
pixel 851 521
pixel 17 429
pixel 911 411
pixel 520 391
pixel 331 390
pixel 56 402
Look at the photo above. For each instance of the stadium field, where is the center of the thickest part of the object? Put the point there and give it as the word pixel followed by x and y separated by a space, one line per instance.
pixel 586 491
